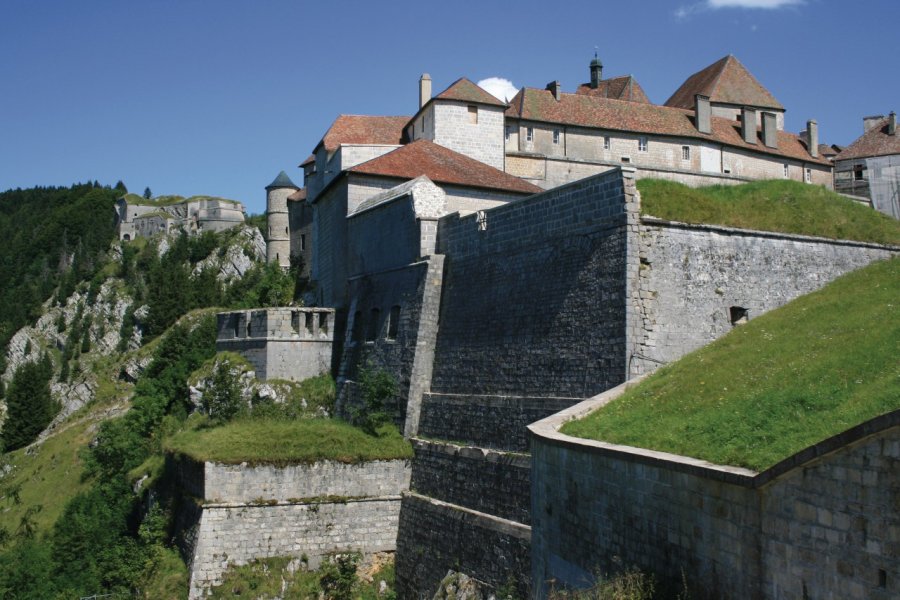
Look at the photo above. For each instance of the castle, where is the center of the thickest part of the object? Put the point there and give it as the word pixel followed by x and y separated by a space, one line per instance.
pixel 492 257
pixel 137 216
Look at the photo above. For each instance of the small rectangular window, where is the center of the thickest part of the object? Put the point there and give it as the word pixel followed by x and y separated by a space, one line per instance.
pixel 508 132
pixel 685 153
pixel 529 134
pixel 606 142
pixel 473 114
pixel 302 242
pixel 858 173
pixel 626 159
pixel 642 143
pixel 394 323
pixel 808 175
pixel 372 332
pixel 556 136
pixel 787 171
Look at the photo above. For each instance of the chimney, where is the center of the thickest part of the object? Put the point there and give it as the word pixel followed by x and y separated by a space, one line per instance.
pixel 892 123
pixel 872 121
pixel 702 114
pixel 769 130
pixel 596 72
pixel 748 124
pixel 424 89
pixel 812 137
pixel 556 89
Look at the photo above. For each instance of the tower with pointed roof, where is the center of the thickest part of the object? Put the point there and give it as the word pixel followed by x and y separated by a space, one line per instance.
pixel 278 238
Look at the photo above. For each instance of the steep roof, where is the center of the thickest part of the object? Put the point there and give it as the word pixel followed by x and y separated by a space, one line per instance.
pixel 442 165
pixel 464 90
pixel 725 81
pixel 309 160
pixel 618 115
pixel 298 196
pixel 625 87
pixel 361 129
pixel 281 181
pixel 875 142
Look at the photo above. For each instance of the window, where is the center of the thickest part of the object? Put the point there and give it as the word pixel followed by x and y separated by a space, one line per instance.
pixel 357 326
pixel 626 159
pixel 508 132
pixel 808 175
pixel 286 232
pixel 738 315
pixel 556 136
pixel 685 153
pixel 787 171
pixel 323 323
pixel 372 332
pixel 302 242
pixel 858 173
pixel 529 134
pixel 473 114
pixel 295 321
pixel 606 142
pixel 394 323
pixel 308 322
pixel 642 143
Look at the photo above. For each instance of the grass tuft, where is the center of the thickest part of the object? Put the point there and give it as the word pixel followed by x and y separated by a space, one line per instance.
pixel 791 378
pixel 782 206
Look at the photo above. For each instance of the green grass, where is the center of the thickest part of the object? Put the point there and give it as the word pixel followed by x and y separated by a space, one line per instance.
pixel 137 200
pixel 784 381
pixel 782 206
pixel 281 442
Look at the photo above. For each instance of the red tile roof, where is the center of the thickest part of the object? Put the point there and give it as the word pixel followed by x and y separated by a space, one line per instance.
pixel 617 115
pixel 442 165
pixel 464 90
pixel 358 129
pixel 298 195
pixel 309 160
pixel 625 87
pixel 726 81
pixel 875 142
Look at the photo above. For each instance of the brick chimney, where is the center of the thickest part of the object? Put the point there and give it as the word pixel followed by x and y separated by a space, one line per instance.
pixel 748 124
pixel 892 123
pixel 770 130
pixel 702 114
pixel 812 137
pixel 556 89
pixel 424 89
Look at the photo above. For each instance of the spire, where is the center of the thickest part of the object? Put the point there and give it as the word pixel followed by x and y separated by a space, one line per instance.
pixel 596 71
pixel 282 181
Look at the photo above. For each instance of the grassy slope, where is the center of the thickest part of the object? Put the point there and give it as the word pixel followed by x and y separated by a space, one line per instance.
pixel 267 441
pixel 786 380
pixel 785 206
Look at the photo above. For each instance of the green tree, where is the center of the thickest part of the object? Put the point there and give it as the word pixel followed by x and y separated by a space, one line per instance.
pixel 29 405
pixel 147 193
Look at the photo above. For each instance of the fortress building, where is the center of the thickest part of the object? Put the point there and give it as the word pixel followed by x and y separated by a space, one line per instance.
pixel 869 168
pixel 138 216
pixel 493 259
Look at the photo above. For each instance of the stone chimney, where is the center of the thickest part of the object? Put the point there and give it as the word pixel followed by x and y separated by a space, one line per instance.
pixel 872 121
pixel 596 72
pixel 424 89
pixel 748 124
pixel 812 137
pixel 556 89
pixel 770 130
pixel 892 123
pixel 702 114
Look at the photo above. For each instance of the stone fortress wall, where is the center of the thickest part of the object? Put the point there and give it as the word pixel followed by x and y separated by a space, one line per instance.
pixel 238 513
pixel 822 523
pixel 136 216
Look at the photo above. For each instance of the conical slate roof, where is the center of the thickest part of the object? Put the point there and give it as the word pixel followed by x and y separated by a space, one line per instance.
pixel 282 181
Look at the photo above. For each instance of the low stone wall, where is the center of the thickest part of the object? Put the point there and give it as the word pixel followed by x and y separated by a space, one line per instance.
pixel 476 478
pixel 435 537
pixel 233 514
pixel 823 523
pixel 485 421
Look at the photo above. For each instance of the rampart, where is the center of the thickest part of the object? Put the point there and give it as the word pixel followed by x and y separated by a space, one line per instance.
pixel 233 514
pixel 280 343
pixel 822 523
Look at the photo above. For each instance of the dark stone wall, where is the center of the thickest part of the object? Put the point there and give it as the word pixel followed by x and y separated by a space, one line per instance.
pixel 483 480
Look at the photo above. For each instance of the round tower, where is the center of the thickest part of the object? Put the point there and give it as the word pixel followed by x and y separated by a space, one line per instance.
pixel 278 238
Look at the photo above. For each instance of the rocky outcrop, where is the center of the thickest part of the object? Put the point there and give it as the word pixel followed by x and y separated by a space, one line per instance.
pixel 246 248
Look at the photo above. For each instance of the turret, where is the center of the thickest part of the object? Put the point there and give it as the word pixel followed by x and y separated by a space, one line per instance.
pixel 278 240
pixel 596 72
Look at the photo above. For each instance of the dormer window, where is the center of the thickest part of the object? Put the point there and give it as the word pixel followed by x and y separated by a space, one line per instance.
pixel 473 114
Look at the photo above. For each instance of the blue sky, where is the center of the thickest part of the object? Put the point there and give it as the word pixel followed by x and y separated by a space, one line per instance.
pixel 200 97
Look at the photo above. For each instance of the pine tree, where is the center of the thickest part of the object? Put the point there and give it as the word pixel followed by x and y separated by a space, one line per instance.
pixel 29 405
pixel 147 193
pixel 120 186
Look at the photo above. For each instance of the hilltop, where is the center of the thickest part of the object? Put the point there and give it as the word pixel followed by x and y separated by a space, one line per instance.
pixel 797 375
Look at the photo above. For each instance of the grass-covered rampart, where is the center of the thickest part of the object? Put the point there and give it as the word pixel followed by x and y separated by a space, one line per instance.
pixel 797 375
pixel 782 206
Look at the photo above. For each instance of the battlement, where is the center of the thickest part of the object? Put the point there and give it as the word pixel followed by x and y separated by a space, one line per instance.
pixel 281 343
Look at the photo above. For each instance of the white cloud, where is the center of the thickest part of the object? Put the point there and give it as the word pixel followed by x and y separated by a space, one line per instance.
pixel 686 11
pixel 500 88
